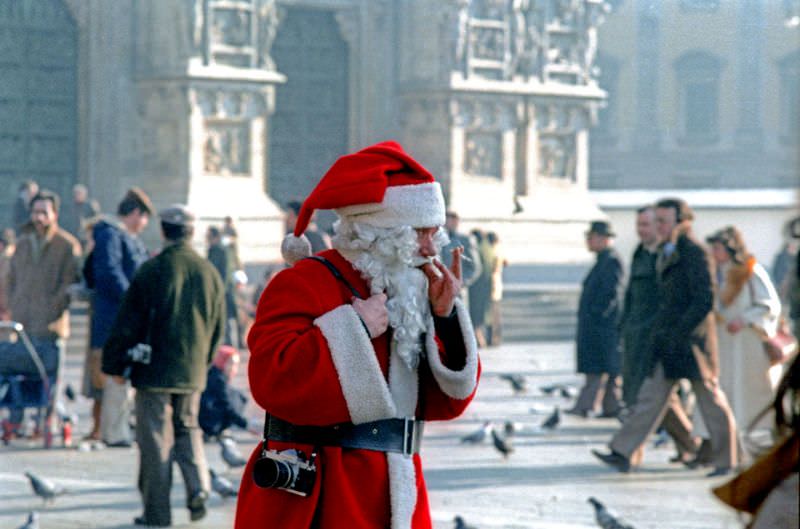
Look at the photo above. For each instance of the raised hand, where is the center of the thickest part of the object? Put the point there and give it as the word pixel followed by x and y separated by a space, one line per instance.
pixel 444 284
pixel 373 313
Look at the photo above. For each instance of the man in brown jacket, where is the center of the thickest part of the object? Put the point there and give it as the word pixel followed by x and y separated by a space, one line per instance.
pixel 44 264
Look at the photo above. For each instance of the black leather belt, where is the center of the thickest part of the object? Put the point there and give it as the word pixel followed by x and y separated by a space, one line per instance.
pixel 388 435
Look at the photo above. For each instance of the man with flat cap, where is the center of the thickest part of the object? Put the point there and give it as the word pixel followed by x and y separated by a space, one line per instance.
pixel 597 337
pixel 164 337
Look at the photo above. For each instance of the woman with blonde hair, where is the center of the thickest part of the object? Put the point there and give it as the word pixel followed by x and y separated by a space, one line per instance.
pixel 747 308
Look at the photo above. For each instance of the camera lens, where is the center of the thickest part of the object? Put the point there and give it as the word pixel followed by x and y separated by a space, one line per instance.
pixel 272 474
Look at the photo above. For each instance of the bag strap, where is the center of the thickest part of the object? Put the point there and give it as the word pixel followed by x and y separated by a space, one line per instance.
pixel 337 274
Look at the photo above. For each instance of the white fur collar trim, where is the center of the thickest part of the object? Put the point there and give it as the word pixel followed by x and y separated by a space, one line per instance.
pixel 360 376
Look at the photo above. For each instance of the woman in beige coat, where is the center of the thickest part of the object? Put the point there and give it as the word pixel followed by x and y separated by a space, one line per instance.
pixel 747 307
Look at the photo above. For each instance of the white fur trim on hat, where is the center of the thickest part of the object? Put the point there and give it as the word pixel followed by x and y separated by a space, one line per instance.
pixel 455 384
pixel 295 248
pixel 418 206
pixel 360 376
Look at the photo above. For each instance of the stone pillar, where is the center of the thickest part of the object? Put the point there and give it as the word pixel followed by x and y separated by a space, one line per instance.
pixel 497 98
pixel 750 42
pixel 205 89
pixel 648 43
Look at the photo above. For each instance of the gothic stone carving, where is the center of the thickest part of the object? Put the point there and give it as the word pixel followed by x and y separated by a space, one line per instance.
pixel 228 116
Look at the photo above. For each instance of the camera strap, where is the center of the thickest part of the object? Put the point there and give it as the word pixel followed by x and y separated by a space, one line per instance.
pixel 337 274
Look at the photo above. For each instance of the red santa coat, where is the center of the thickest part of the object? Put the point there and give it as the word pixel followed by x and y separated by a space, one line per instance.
pixel 312 363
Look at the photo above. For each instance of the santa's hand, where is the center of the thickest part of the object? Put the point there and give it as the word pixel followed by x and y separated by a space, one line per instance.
pixel 444 284
pixel 373 313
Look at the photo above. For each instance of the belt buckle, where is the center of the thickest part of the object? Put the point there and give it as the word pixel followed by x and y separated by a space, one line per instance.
pixel 411 436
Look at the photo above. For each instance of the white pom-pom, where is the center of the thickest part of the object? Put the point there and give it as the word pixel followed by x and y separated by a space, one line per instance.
pixel 295 248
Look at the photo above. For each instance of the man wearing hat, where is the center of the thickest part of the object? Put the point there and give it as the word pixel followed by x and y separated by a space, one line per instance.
pixel 117 254
pixel 683 345
pixel 597 338
pixel 165 335
pixel 351 353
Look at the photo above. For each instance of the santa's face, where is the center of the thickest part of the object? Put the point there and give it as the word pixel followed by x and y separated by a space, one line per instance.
pixel 426 239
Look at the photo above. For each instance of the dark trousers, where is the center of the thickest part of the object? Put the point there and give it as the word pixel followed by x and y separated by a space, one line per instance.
pixel 167 431
pixel 600 387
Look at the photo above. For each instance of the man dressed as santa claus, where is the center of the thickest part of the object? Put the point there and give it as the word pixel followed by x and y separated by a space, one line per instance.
pixel 353 349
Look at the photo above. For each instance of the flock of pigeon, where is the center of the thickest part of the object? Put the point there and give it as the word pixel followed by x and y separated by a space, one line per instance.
pixel 501 440
pixel 48 490
pixel 500 436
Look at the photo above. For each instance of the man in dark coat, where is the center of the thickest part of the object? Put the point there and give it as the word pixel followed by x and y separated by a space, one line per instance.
pixel 641 305
pixel 117 255
pixel 174 307
pixel 598 316
pixel 224 261
pixel 683 345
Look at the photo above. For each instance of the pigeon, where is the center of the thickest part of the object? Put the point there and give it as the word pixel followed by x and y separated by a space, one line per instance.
pixel 45 489
pixel 661 438
pixel 222 486
pixel 70 393
pixel 33 521
pixel 549 390
pixel 510 428
pixel 478 436
pixel 605 519
pixel 230 453
pixel 568 392
pixel 461 524
pixel 551 423
pixel 517 382
pixel 502 445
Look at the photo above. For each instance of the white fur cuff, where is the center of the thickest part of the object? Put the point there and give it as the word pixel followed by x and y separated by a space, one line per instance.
pixel 456 384
pixel 363 384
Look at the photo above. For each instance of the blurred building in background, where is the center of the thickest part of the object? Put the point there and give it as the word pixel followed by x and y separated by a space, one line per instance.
pixel 703 103
pixel 236 106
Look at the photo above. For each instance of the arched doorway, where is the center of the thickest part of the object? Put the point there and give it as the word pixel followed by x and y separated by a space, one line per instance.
pixel 309 128
pixel 38 102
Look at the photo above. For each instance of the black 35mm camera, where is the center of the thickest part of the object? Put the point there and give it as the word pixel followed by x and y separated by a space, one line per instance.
pixel 288 470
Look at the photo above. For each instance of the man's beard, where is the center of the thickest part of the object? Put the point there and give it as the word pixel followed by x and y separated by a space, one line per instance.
pixel 389 260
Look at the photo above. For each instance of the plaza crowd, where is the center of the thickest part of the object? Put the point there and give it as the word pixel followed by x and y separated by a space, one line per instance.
pixel 673 344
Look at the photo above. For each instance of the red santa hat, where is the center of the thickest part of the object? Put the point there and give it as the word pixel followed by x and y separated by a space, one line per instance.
pixel 380 185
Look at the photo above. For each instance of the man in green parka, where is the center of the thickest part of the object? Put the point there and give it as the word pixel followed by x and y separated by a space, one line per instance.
pixel 165 335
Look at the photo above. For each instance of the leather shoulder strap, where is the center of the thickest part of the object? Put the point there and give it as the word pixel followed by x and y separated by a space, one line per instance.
pixel 337 274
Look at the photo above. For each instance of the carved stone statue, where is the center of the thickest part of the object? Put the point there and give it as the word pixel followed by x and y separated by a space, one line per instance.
pixel 268 21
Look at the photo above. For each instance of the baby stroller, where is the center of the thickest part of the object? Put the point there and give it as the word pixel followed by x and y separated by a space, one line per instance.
pixel 29 375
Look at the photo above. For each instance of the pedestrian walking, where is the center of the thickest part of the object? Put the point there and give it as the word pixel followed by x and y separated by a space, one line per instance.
pixel 684 346
pixel 640 306
pixel 44 265
pixel 747 308
pixel 165 335
pixel 116 255
pixel 351 353
pixel 597 339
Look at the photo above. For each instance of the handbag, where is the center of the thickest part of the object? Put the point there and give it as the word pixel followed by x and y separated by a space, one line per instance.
pixel 780 347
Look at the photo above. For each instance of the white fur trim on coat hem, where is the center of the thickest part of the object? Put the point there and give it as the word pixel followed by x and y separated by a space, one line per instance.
pixel 456 384
pixel 360 376
pixel 402 489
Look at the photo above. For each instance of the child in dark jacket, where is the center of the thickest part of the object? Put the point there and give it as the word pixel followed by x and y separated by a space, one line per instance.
pixel 221 405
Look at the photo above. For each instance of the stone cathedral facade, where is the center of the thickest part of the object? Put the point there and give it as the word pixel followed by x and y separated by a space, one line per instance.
pixel 237 106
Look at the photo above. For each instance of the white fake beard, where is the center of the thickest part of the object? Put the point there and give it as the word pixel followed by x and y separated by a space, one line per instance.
pixel 388 258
